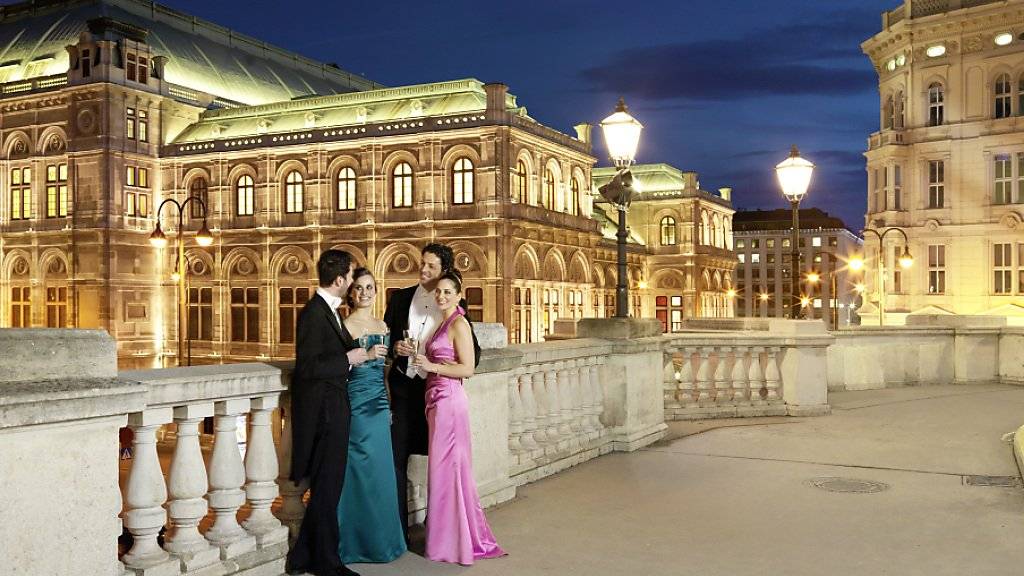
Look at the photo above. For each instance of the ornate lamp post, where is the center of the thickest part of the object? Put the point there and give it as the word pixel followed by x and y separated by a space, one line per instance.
pixel 794 174
pixel 159 240
pixel 905 260
pixel 621 136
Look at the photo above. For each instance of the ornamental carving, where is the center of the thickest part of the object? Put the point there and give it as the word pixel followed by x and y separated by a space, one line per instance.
pixel 57 267
pixel 20 148
pixel 245 267
pixel 292 265
pixel 402 264
pixel 973 44
pixel 463 262
pixel 1011 220
pixel 20 267
pixel 86 121
pixel 55 145
pixel 198 268
pixel 932 225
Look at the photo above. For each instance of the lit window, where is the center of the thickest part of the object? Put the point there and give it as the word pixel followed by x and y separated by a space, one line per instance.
pixel 770 243
pixel 199 191
pixel 56 190
pixel 547 198
pixel 347 189
pixel 21 193
pixel 574 197
pixel 143 127
pixel 936 104
pixel 1001 89
pixel 519 182
pixel 462 181
pixel 755 258
pixel 936 184
pixel 293 192
pixel 245 191
pixel 1002 266
pixel 1003 39
pixel 743 258
pixel 936 269
pixel 816 241
pixel 143 178
pixel 935 51
pixel 129 175
pixel 129 123
pixel 668 231
pixel 1003 183
pixel 402 185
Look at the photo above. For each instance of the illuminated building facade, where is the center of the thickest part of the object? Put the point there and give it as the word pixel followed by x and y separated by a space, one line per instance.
pixel 947 165
pixel 109 107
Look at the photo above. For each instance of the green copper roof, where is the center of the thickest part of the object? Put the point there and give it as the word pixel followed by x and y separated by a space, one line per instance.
pixel 202 56
pixel 353 109
pixel 657 182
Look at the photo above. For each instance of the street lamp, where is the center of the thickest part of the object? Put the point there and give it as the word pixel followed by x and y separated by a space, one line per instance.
pixel 794 174
pixel 159 240
pixel 905 261
pixel 621 136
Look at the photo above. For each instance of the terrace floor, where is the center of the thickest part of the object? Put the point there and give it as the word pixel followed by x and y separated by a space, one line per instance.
pixel 738 497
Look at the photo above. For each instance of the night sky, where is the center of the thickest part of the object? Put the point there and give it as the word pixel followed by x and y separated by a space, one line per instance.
pixel 722 87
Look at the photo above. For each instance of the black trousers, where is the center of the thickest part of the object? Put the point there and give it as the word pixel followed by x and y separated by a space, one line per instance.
pixel 408 432
pixel 316 548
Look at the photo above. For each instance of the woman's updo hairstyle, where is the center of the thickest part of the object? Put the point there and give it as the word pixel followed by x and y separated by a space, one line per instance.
pixel 358 273
pixel 454 277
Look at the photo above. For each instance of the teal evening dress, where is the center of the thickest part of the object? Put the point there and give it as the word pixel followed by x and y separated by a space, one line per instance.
pixel 368 510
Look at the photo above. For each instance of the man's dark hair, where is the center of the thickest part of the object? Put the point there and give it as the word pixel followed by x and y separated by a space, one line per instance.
pixel 443 253
pixel 333 263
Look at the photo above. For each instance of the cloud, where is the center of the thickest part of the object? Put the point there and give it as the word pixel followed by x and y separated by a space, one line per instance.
pixel 819 56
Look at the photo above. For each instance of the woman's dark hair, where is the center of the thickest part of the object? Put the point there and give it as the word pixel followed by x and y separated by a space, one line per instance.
pixel 333 263
pixel 443 253
pixel 455 277
pixel 356 275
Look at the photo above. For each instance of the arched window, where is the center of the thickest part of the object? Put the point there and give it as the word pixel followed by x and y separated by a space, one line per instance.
pixel 199 191
pixel 245 191
pixel 519 182
pixel 936 104
pixel 346 189
pixel 462 181
pixel 547 198
pixel 1002 95
pixel 574 197
pixel 897 121
pixel 401 184
pixel 293 192
pixel 668 231
pixel 887 113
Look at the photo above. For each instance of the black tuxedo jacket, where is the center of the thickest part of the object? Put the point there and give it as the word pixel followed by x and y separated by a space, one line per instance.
pixel 319 387
pixel 396 316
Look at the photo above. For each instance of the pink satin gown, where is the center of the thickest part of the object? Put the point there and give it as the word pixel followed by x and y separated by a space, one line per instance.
pixel 457 530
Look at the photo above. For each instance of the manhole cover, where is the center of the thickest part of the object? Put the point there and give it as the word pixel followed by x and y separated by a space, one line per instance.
pixel 849 485
pixel 998 481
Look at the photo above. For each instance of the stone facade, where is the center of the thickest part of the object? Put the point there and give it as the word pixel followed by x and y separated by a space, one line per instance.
pixel 947 165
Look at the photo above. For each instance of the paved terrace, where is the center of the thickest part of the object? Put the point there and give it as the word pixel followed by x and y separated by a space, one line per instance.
pixel 735 497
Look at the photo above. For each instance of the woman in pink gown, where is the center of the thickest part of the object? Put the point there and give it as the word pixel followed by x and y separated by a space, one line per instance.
pixel 457 530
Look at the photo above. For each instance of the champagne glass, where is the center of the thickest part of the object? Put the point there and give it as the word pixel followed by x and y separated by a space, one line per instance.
pixel 364 342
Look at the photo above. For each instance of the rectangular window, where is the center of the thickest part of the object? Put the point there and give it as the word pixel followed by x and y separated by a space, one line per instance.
pixel 21 193
pixel 936 184
pixel 200 314
pixel 245 314
pixel 143 178
pixel 1020 268
pixel 56 306
pixel 897 272
pixel 937 269
pixel 771 242
pixel 1003 180
pixel 21 307
pixel 143 70
pixel 56 190
pixel 291 300
pixel 86 64
pixel 1020 174
pixel 741 244
pixel 833 241
pixel 755 243
pixel 143 201
pixel 755 258
pixel 816 241
pixel 786 242
pixel 129 175
pixel 475 303
pixel 897 188
pixel 1002 268
pixel 743 258
pixel 129 123
pixel 143 126
pixel 129 204
pixel 129 67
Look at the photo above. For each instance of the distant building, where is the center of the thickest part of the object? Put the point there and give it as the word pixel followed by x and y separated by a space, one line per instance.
pixel 763 277
pixel 947 165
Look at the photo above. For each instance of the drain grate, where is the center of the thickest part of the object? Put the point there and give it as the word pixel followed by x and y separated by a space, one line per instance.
pixel 848 485
pixel 997 481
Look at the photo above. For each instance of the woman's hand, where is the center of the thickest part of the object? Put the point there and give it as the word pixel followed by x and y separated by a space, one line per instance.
pixel 377 351
pixel 420 361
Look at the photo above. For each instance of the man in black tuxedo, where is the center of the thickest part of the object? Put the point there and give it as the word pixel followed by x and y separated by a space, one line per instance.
pixel 413 309
pixel 320 416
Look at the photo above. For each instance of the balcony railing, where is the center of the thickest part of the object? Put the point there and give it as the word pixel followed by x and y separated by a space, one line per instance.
pixel 34 84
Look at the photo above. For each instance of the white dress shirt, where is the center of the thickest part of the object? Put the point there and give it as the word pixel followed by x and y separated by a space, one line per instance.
pixel 333 301
pixel 424 318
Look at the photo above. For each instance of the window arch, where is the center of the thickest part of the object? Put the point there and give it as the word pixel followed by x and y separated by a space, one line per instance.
pixel 346 187
pixel 1003 99
pixel 518 182
pixel 401 185
pixel 462 181
pixel 573 206
pixel 245 192
pixel 936 104
pixel 200 191
pixel 547 198
pixel 668 231
pixel 293 192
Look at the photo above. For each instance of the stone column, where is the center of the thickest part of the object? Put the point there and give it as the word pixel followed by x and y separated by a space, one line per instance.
pixel 145 495
pixel 260 471
pixel 187 484
pixel 226 478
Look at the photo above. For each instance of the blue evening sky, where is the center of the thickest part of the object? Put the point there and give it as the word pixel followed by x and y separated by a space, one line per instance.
pixel 723 87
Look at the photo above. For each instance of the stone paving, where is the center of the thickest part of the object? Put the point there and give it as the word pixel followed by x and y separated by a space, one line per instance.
pixel 738 497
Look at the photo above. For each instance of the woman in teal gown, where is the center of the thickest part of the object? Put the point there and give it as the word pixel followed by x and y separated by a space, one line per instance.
pixel 368 516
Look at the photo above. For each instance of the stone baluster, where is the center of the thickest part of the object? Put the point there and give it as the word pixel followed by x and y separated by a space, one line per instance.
pixel 554 411
pixel 669 381
pixel 528 403
pixel 187 486
pixel 722 389
pixel 771 374
pixel 590 423
pixel 227 475
pixel 704 376
pixel 260 472
pixel 515 416
pixel 565 402
pixel 540 399
pixel 576 394
pixel 687 384
pixel 597 390
pixel 292 509
pixel 756 376
pixel 145 494
pixel 739 375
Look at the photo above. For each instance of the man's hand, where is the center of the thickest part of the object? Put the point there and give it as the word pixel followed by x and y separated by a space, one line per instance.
pixel 402 348
pixel 357 356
